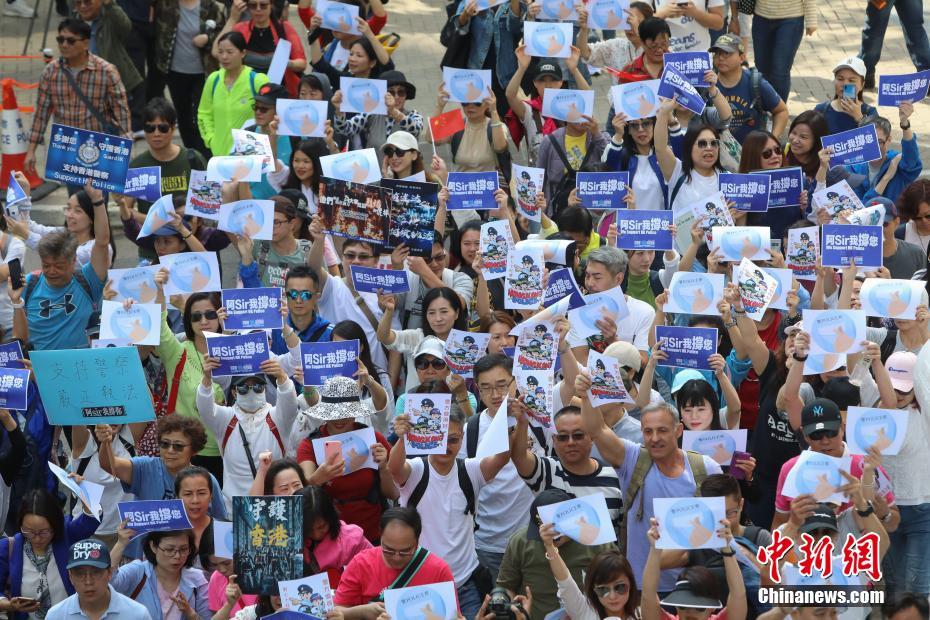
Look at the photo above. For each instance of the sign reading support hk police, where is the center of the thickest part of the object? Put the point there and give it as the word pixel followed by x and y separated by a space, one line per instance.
pixel 75 155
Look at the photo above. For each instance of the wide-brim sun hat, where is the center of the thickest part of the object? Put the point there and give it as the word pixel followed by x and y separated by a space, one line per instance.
pixel 684 596
pixel 340 399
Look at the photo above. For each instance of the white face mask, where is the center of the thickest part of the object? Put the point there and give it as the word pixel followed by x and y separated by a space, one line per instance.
pixel 251 401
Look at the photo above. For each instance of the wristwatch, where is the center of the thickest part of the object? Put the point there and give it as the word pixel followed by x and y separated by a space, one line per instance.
pixel 867 511
pixel 799 359
pixel 726 554
pixel 906 125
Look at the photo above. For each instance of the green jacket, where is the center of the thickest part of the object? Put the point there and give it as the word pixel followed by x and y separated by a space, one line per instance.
pixel 222 110
pixel 167 17
pixel 113 31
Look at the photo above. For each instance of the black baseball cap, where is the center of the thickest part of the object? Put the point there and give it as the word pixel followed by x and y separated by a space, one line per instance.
pixel 270 93
pixel 547 497
pixel 240 379
pixel 823 518
pixel 820 414
pixel 684 596
pixel 548 68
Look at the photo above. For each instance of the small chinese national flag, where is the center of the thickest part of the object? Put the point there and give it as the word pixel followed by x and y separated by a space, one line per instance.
pixel 446 124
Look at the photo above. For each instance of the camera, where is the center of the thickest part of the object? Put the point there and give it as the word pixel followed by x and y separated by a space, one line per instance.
pixel 499 604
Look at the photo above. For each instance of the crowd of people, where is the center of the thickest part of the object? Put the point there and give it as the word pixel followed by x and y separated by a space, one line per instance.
pixel 457 516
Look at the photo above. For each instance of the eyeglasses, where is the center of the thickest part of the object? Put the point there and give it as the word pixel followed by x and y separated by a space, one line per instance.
pixel 500 388
pixel 210 315
pixel 394 552
pixel 282 222
pixel 293 294
pixel 565 437
pixel 618 588
pixel 655 44
pixel 818 435
pixel 708 144
pixel 639 125
pixel 161 127
pixel 69 40
pixel 390 151
pixel 422 363
pixel 175 551
pixel 36 533
pixel 260 108
pixel 436 259
pixel 258 388
pixel 770 153
pixel 354 256
pixel 172 446
pixel 919 218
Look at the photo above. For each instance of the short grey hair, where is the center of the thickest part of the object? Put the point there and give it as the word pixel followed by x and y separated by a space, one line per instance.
pixel 614 259
pixel 457 415
pixel 666 407
pixel 881 123
pixel 58 244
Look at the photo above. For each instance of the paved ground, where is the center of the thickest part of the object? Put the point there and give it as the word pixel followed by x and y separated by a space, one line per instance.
pixel 419 22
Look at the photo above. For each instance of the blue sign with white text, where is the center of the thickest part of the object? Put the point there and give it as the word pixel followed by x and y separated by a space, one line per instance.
pixel 893 90
pixel 75 155
pixel 785 186
pixel 11 355
pixel 144 183
pixel 855 146
pixel 644 230
pixel 692 65
pixel 14 388
pixel 561 285
pixel 252 308
pixel 155 515
pixel 371 279
pixel 687 347
pixel 674 83
pixel 749 192
pixel 93 386
pixel 602 190
pixel 238 355
pixel 844 242
pixel 472 190
pixel 322 360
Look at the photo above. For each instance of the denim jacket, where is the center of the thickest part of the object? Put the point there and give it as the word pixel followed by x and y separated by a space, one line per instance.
pixel 497 26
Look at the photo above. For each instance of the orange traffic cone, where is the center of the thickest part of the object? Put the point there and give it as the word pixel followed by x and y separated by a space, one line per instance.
pixel 14 139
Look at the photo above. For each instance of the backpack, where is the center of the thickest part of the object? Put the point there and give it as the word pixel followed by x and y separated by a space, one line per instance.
pixel 264 248
pixel 503 158
pixel 559 193
pixel 755 100
pixel 464 483
pixel 216 81
pixel 640 470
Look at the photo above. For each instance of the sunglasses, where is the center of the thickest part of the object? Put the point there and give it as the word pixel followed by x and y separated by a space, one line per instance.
pixel 352 256
pixel 390 151
pixel 260 108
pixel 818 435
pixel 243 389
pixel 69 40
pixel 397 92
pixel 708 144
pixel 565 437
pixel 639 125
pixel 259 5
pixel 210 315
pixel 770 153
pixel 172 446
pixel 423 364
pixel 161 127
pixel 294 295
pixel 618 588
pixel 436 259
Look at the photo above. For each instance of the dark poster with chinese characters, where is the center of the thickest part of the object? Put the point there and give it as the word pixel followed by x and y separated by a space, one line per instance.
pixel 267 542
pixel 355 210
pixel 413 215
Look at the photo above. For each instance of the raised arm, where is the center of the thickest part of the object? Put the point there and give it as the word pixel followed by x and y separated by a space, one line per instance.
pixel 610 446
pixel 755 347
pixel 663 151
pixel 397 461
pixel 730 395
pixel 523 459
pixel 109 462
pixel 386 335
pixel 513 87
pixel 651 610
pixel 736 599
pixel 100 253
pixel 656 355
pixel 789 398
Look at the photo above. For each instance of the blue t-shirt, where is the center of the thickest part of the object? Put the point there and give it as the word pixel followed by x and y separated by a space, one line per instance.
pixel 58 316
pixel 840 121
pixel 744 118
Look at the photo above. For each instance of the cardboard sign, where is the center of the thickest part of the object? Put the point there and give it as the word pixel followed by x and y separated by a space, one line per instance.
pixel 818 475
pixel 354 210
pixel 360 166
pixel 252 308
pixel 803 251
pixel 568 105
pixel 159 215
pixel 472 190
pixel 718 445
pixel 463 349
pixel 191 272
pixel 843 243
pixel 413 215
pixel 547 39
pixel 785 186
pixel 253 143
pixel 673 83
pixel 748 192
pixel 608 14
pixel 238 355
pixel 536 345
pixel 835 331
pixel 309 595
pixel 562 285
pixel 14 388
pixel 467 85
pixel 602 190
pixel 363 96
pixel 837 200
pixel 302 117
pixel 738 242
pixel 11 355
pixel 636 99
pixel 523 285
pixel 338 16
pixel 695 293
pixel 204 197
pixel 526 182
pixel 143 183
pixel 689 522
pixel 756 289
pixel 537 389
pixel 584 519
pixel 891 299
pixel 157 515
pixel 235 168
pixel 610 304
pixel 893 90
pixel 854 146
pixel 692 65
pixel 140 324
pixel 606 380
pixel 248 218
pixel 495 242
pixel 884 429
pixel 137 283
pixel 433 602
pixel 558 10
pixel 687 347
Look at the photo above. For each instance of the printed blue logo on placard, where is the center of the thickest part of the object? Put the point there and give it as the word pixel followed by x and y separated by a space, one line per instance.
pixel 301 120
pixel 819 479
pixel 876 430
pixel 556 9
pixel 467 86
pixel 820 362
pixel 234 168
pixel 890 298
pixel 354 452
pixel 339 16
pixel 354 168
pixel 690 523
pixel 426 604
pixel 834 332
pixel 637 100
pixel 138 285
pixel 133 324
pixel 549 38
pixel 247 219
pixel 718 447
pixel 695 293
pixel 363 96
pixel 744 244
pixel 191 273
pixel 592 314
pixel 604 14
pixel 579 521
pixel 568 105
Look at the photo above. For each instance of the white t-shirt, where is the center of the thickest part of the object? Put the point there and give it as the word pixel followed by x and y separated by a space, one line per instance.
pixel 447 530
pixel 912 236
pixel 687 34
pixel 15 249
pixel 112 488
pixel 340 58
pixel 646 186
pixel 633 329
pixel 693 189
pixel 911 487
pixel 503 504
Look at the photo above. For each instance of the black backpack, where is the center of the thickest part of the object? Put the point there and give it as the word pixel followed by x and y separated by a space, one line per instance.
pixel 464 483
pixel 503 159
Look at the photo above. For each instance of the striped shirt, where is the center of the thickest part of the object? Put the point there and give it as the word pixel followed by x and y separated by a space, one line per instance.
pixel 550 474
pixel 783 9
pixel 101 84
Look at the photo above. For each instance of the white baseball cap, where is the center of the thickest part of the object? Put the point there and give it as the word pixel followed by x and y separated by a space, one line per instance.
pixel 854 63
pixel 900 367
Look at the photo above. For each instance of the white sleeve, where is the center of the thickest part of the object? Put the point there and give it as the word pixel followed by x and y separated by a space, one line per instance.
pixel 416 472
pixel 215 417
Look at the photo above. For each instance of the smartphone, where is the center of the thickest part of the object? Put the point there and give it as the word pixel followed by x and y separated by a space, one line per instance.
pixel 849 91
pixel 332 451
pixel 16 274
pixel 736 472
